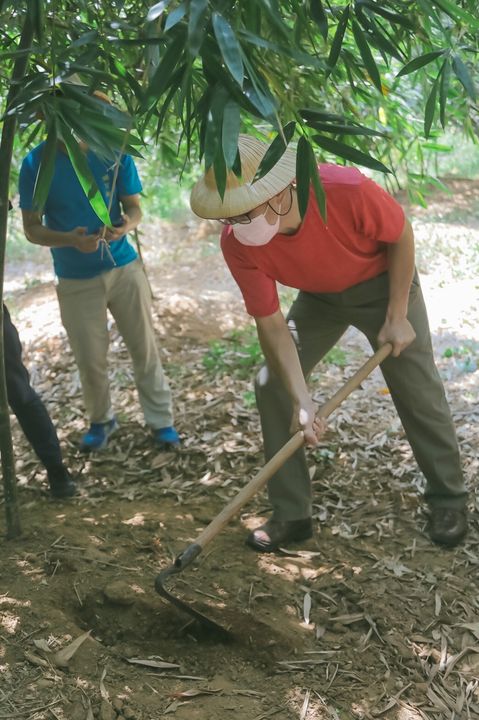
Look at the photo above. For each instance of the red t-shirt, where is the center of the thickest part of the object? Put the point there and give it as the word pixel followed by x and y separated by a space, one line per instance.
pixel 352 247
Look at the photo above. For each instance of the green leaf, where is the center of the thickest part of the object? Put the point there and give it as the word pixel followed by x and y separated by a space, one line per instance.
pixel 258 93
pixel 437 147
pixel 85 175
pixel 196 25
pixel 346 129
pixel 36 14
pixel 220 172
pixel 288 51
pixel 156 10
pixel 275 151
pixel 377 39
pixel 46 169
pixel 229 47
pixel 338 40
pixel 367 56
pixel 91 36
pixel 214 125
pixel 430 107
pixel 311 115
pixel 230 133
pixel 443 90
pixel 463 75
pixel 349 153
pixel 319 16
pixel 317 185
pixel 394 18
pixel 303 174
pixel 420 61
pixel 162 76
pixel 175 16
pixel 455 11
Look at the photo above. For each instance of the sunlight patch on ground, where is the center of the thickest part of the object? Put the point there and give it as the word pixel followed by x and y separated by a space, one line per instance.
pixel 9 622
pixel 137 519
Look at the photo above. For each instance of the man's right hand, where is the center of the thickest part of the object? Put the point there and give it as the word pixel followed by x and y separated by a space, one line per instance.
pixel 313 427
pixel 83 242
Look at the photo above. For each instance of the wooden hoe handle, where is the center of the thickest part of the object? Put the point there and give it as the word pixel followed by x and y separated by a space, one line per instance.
pixel 293 444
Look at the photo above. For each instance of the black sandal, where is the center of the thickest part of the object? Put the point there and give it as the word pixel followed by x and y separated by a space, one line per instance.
pixel 280 534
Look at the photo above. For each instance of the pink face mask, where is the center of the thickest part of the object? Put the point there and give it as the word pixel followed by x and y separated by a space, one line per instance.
pixel 257 232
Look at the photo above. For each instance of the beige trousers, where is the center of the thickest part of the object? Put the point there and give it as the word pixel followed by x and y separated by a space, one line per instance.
pixel 83 308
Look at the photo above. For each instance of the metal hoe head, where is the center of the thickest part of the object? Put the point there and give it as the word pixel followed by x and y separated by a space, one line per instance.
pixel 182 561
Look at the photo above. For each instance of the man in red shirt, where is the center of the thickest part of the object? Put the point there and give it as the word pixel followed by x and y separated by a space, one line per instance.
pixel 357 268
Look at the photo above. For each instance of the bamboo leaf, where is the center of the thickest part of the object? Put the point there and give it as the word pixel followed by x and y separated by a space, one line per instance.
pixel 307 608
pixel 214 125
pixel 220 172
pixel 311 115
pixel 196 25
pixel 349 153
pixel 84 175
pixel 430 107
pixel 319 16
pixel 164 71
pixel 367 56
pixel 317 185
pixel 303 169
pixel 420 62
pixel 379 40
pixel 275 151
pixel 258 93
pixel 36 14
pixel 394 18
pixel 338 40
pixel 229 47
pixel 46 169
pixel 156 10
pixel 287 50
pixel 86 38
pixel 463 75
pixel 175 16
pixel 443 90
pixel 345 129
pixel 230 133
pixel 456 12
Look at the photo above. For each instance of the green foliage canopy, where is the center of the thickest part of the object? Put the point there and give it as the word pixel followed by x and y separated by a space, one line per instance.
pixel 368 82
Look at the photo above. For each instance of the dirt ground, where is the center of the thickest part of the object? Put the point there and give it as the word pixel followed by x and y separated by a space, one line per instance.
pixel 367 620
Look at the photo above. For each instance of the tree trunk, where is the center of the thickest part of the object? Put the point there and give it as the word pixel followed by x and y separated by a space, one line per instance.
pixel 6 150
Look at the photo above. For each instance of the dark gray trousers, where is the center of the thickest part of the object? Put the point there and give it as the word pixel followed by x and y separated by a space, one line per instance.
pixel 317 321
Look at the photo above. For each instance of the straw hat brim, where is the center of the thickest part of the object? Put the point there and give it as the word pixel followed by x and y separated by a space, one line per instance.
pixel 242 194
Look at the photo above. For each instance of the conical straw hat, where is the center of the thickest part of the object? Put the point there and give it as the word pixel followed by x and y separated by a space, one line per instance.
pixel 241 194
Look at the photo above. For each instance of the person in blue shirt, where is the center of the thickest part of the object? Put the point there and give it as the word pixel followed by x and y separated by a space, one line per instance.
pixel 96 275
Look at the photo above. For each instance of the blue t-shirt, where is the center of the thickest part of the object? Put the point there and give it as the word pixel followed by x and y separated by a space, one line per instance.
pixel 67 207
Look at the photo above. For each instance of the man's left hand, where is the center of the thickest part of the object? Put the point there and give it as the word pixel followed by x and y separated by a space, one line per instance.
pixel 115 233
pixel 400 333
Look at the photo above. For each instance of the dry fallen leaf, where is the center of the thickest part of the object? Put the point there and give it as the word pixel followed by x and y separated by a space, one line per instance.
pixel 62 657
pixel 306 607
pixel 152 663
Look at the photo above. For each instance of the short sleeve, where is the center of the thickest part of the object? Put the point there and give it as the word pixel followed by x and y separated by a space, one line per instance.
pixel 26 184
pixel 259 291
pixel 128 182
pixel 378 216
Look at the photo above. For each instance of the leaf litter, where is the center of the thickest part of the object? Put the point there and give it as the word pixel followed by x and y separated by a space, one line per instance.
pixel 367 620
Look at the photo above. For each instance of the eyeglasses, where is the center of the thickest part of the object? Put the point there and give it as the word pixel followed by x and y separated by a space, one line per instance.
pixel 246 219
pixel 240 220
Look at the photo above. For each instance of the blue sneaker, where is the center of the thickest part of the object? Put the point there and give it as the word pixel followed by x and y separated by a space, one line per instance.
pixel 97 436
pixel 167 438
